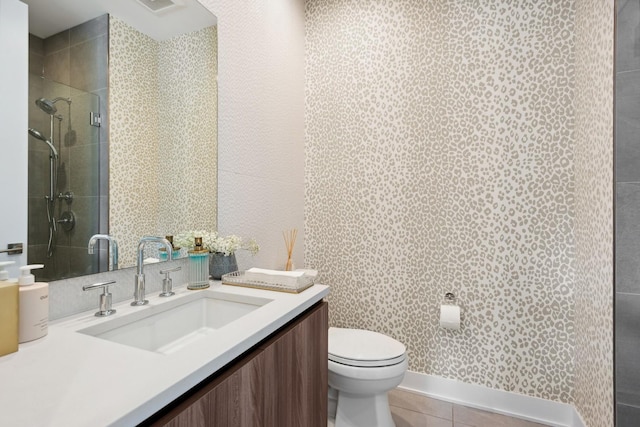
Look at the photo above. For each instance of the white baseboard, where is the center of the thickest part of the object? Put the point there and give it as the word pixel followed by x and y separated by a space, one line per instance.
pixel 502 402
pixel 577 419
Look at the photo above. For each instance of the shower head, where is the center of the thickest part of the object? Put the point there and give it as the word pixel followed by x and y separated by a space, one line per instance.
pixel 38 135
pixel 48 105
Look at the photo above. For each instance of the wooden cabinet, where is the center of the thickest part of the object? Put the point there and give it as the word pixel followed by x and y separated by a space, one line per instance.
pixel 282 382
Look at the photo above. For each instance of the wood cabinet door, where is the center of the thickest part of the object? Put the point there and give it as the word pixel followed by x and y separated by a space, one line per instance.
pixel 296 366
pixel 281 383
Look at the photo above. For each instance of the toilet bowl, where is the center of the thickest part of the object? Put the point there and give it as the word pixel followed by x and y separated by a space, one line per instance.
pixel 363 367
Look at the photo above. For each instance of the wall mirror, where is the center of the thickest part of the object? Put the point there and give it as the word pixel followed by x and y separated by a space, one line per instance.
pixel 122 128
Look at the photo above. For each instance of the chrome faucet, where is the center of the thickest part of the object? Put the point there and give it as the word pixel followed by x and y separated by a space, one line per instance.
pixel 105 298
pixel 138 290
pixel 113 249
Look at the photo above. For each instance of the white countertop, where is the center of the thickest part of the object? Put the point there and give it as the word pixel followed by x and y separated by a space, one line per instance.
pixel 71 379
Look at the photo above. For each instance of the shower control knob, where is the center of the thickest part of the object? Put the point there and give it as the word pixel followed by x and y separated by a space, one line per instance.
pixel 67 220
pixel 67 197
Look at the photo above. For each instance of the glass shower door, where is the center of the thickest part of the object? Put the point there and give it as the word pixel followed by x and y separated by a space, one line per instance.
pixel 66 181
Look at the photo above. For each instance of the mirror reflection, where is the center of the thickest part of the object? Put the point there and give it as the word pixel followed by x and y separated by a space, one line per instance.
pixel 123 137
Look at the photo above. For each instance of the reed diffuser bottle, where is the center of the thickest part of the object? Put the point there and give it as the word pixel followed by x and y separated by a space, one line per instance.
pixel 198 266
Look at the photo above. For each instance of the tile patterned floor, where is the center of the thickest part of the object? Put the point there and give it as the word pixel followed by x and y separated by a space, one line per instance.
pixel 414 410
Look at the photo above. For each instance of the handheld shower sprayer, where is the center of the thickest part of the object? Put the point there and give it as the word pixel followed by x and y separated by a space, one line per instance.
pixel 38 135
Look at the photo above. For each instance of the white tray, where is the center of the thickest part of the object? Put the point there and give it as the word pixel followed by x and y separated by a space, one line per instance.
pixel 237 278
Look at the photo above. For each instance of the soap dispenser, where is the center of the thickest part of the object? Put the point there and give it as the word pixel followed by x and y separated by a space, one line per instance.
pixel 34 305
pixel 198 266
pixel 8 312
pixel 4 274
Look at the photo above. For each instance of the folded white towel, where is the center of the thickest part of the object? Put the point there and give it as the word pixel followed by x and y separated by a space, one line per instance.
pixel 150 260
pixel 308 272
pixel 275 277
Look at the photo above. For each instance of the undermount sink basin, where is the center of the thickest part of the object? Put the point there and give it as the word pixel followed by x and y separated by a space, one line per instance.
pixel 173 325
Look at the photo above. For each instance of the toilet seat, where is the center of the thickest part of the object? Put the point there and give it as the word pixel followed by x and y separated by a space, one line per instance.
pixel 361 348
pixel 363 367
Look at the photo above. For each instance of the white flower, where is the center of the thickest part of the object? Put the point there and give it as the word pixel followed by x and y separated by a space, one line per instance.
pixel 252 246
pixel 213 243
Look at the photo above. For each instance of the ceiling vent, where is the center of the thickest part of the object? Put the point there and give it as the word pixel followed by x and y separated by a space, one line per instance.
pixel 158 6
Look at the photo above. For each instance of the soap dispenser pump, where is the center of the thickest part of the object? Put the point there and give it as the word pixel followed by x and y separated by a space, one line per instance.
pixel 34 305
pixel 4 274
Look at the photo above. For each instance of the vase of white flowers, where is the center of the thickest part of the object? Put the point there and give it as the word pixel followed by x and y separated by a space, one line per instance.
pixel 221 264
pixel 222 258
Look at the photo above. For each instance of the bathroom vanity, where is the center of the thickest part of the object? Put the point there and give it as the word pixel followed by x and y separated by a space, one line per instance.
pixel 281 382
pixel 259 359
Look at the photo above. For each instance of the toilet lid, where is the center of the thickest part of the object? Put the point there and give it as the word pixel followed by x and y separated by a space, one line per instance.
pixel 357 347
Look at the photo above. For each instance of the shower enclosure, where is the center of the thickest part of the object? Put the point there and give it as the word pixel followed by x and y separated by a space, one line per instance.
pixel 48 107
pixel 64 179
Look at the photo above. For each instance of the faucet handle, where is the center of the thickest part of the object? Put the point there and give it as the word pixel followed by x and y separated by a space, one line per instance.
pixel 170 270
pixel 167 282
pixel 105 297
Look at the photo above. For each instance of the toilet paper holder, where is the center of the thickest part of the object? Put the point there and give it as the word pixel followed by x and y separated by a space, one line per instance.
pixel 450 298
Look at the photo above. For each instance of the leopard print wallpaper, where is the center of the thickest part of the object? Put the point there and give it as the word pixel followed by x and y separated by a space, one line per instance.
pixel 163 174
pixel 594 394
pixel 187 72
pixel 440 156
pixel 133 157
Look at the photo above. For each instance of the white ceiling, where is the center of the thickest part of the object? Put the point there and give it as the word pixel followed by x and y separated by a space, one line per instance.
pixel 48 17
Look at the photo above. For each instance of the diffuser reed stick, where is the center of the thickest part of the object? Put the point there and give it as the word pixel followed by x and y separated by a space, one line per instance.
pixel 289 242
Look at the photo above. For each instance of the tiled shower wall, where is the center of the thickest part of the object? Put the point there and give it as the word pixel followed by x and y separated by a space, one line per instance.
pixel 627 180
pixel 74 64
pixel 440 156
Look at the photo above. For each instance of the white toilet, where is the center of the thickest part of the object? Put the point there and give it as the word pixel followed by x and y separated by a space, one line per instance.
pixel 363 367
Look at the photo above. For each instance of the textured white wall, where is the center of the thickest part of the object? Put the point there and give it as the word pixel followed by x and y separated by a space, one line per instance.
pixel 13 122
pixel 261 124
